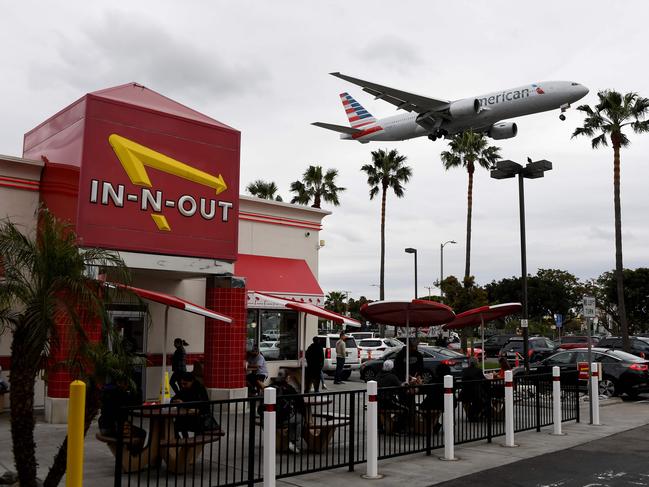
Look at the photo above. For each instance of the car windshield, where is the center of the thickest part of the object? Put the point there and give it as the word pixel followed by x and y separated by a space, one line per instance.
pixel 350 343
pixel 370 343
pixel 445 352
pixel 266 344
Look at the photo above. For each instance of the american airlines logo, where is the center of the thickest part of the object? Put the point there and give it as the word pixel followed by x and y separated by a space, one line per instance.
pixel 135 158
pixel 509 96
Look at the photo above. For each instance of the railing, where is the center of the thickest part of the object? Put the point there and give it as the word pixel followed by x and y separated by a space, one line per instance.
pixel 316 432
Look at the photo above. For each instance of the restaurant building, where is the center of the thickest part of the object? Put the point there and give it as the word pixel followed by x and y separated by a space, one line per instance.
pixel 158 182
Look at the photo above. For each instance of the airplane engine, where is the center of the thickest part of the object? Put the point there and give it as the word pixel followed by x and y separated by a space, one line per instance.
pixel 503 130
pixel 465 108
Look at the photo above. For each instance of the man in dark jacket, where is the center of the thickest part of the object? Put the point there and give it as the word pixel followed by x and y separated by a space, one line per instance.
pixel 473 393
pixel 314 362
pixel 178 364
pixel 416 362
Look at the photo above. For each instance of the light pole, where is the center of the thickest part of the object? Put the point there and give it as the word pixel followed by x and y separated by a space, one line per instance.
pixel 533 170
pixel 430 290
pixel 410 250
pixel 441 264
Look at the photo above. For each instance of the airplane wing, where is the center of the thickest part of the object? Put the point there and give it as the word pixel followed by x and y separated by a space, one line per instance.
pixel 401 99
pixel 337 128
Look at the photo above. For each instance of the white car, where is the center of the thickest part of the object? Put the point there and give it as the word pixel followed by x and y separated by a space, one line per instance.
pixel 352 360
pixel 270 335
pixel 373 348
pixel 270 350
pixel 360 335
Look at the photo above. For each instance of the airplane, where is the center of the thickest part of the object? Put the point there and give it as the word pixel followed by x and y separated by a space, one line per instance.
pixel 438 118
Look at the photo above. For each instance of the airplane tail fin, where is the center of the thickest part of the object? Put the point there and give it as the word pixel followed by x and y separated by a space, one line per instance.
pixel 357 115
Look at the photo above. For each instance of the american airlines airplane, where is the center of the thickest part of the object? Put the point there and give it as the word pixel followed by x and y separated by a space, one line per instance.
pixel 437 118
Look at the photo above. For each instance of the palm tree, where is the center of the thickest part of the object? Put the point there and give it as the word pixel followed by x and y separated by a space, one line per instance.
pixel 335 301
pixel 47 279
pixel 606 120
pixel 469 149
pixel 317 187
pixel 387 171
pixel 264 190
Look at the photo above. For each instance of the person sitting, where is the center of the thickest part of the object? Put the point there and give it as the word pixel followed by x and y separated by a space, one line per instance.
pixel 416 362
pixel 504 366
pixel 473 395
pixel 192 391
pixel 113 397
pixel 433 402
pixel 257 371
pixel 391 401
pixel 290 410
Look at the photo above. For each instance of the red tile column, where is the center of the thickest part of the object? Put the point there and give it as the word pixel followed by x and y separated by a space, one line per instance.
pixel 225 344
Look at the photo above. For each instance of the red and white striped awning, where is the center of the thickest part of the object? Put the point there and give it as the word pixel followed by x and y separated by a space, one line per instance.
pixel 172 301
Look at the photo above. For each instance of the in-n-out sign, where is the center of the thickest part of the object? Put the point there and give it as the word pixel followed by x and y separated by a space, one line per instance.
pixel 135 158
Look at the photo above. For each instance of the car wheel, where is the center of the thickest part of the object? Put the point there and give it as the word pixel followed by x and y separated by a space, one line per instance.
pixel 607 388
pixel 427 377
pixel 368 375
pixel 345 374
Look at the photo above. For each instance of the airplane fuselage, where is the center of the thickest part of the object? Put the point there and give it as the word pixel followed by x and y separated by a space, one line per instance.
pixel 493 108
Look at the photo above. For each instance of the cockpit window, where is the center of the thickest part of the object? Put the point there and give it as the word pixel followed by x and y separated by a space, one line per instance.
pixel 574 84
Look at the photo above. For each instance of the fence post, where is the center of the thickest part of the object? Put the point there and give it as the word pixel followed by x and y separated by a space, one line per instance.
pixel 119 453
pixel 352 431
pixel 538 403
pixel 76 422
pixel 556 400
pixel 269 436
pixel 449 411
pixel 372 433
pixel 490 418
pixel 509 409
pixel 251 441
pixel 594 377
pixel 577 406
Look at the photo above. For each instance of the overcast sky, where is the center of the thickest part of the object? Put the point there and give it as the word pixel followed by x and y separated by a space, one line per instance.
pixel 262 67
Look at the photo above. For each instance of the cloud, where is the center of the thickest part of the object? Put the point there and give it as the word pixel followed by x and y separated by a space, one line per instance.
pixel 391 52
pixel 121 49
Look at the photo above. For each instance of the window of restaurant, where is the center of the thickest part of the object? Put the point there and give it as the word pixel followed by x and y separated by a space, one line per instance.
pixel 274 332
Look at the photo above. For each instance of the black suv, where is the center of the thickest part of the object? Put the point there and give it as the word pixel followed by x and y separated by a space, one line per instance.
pixel 639 345
pixel 494 344
pixel 539 348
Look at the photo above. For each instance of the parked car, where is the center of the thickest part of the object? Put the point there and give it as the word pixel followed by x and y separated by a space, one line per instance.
pixel 352 360
pixel 361 335
pixel 433 356
pixel 639 345
pixel 270 335
pixel 494 344
pixel 475 351
pixel 539 348
pixel 270 350
pixel 621 372
pixel 570 342
pixel 375 347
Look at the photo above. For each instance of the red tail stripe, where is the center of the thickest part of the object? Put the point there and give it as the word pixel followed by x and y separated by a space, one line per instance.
pixel 367 132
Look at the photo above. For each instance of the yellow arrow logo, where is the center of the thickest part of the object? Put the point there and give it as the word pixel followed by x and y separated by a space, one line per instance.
pixel 135 157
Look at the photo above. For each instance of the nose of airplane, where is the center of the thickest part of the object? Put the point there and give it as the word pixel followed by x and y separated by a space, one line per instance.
pixel 582 91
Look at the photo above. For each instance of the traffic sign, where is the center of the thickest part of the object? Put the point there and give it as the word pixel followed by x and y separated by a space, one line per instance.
pixel 589 307
pixel 524 323
pixel 558 319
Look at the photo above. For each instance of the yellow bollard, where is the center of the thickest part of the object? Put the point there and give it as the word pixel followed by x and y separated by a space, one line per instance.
pixel 76 426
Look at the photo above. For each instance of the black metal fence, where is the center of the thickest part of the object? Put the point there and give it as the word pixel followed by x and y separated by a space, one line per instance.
pixel 220 443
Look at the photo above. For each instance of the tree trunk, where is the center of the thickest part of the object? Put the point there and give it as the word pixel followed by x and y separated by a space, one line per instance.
pixel 21 395
pixel 619 267
pixel 316 201
pixel 382 272
pixel 57 470
pixel 469 209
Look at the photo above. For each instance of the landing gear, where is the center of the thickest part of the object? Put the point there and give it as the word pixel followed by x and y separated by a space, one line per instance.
pixel 562 117
pixel 563 107
pixel 432 137
pixel 439 134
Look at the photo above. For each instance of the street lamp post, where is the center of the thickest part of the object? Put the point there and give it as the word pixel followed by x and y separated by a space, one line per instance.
pixel 441 264
pixel 533 170
pixel 410 250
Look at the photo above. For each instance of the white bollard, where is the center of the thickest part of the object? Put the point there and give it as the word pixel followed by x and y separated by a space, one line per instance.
pixel 372 428
pixel 270 426
pixel 509 409
pixel 449 411
pixel 594 377
pixel 556 400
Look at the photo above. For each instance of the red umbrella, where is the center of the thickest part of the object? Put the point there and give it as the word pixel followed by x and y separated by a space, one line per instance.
pixel 477 316
pixel 415 313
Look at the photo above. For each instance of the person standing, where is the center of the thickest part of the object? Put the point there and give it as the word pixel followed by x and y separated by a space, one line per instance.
pixel 341 354
pixel 178 364
pixel 314 362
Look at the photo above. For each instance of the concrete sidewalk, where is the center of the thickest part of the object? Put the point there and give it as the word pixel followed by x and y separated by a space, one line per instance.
pixel 416 470
pixel 419 470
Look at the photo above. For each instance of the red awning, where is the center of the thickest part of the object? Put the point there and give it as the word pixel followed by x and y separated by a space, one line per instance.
pixel 173 301
pixel 311 309
pixel 276 275
pixel 477 316
pixel 413 313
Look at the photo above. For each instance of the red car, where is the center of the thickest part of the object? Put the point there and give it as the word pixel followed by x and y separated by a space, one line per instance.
pixel 570 342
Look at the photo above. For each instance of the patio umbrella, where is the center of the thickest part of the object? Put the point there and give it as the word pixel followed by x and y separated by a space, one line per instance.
pixel 311 309
pixel 169 301
pixel 477 316
pixel 415 313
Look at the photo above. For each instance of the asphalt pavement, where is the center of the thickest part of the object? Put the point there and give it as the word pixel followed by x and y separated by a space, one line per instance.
pixel 619 460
